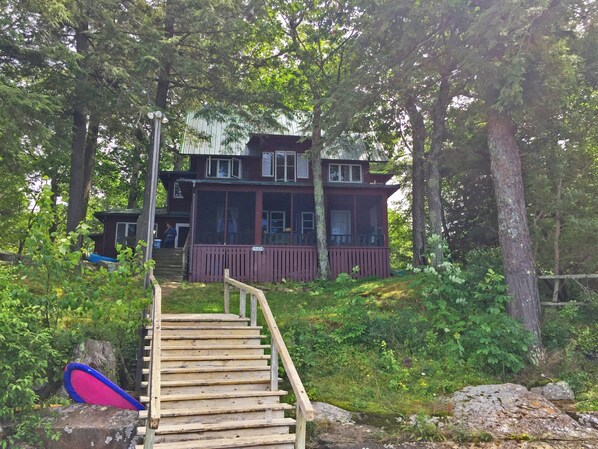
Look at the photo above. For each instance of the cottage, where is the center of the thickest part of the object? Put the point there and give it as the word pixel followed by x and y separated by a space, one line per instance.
pixel 247 204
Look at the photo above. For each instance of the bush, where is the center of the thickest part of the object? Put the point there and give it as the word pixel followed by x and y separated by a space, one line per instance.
pixel 467 319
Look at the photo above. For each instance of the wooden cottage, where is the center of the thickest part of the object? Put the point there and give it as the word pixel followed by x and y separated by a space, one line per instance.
pixel 247 204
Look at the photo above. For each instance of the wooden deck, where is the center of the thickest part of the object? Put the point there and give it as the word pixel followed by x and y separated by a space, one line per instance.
pixel 273 263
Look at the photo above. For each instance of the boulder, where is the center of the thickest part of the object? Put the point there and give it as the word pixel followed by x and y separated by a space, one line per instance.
pixel 93 426
pixel 511 412
pixel 589 419
pixel 99 355
pixel 328 412
pixel 555 391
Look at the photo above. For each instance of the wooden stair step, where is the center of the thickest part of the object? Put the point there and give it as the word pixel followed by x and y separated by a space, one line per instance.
pixel 210 347
pixel 203 317
pixel 206 396
pixel 207 326
pixel 207 383
pixel 224 332
pixel 277 441
pixel 167 413
pixel 209 358
pixel 208 337
pixel 209 369
pixel 198 427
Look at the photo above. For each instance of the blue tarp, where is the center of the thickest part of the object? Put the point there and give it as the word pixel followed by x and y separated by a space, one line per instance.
pixel 96 258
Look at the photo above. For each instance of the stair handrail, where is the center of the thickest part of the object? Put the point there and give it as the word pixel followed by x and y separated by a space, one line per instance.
pixel 153 412
pixel 305 411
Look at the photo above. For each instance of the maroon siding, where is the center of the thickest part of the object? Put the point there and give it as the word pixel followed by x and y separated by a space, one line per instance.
pixel 274 263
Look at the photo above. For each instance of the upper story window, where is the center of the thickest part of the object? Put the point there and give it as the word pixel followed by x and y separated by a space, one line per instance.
pixel 280 164
pixel 223 168
pixel 344 173
pixel 176 190
pixel 302 167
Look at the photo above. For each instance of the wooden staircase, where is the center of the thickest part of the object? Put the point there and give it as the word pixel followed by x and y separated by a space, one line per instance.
pixel 215 387
pixel 169 263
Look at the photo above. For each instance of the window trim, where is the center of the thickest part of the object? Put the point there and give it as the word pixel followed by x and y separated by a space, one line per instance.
pixel 127 224
pixel 231 162
pixel 350 166
pixel 313 222
pixel 177 192
pixel 286 167
pixel 265 161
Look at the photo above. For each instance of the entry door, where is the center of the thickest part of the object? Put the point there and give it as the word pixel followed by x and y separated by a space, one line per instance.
pixel 182 230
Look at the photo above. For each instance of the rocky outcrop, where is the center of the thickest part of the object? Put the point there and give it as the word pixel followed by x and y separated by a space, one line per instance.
pixel 330 413
pixel 99 355
pixel 555 391
pixel 511 412
pixel 93 426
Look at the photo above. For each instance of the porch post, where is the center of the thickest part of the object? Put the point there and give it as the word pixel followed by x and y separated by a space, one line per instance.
pixel 192 220
pixel 259 208
pixel 354 236
pixel 384 207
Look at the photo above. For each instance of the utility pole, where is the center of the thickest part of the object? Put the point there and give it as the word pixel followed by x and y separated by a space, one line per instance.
pixel 158 117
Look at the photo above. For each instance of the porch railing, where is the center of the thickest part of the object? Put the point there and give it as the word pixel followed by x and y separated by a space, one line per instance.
pixel 153 412
pixel 305 411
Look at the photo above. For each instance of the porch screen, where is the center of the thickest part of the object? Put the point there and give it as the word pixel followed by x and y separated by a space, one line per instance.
pixel 225 218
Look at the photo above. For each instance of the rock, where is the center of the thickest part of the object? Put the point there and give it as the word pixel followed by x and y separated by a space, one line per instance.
pixel 99 355
pixel 328 412
pixel 589 419
pixel 94 426
pixel 510 411
pixel 557 391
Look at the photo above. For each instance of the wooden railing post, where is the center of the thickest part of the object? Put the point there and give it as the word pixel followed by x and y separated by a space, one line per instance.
pixel 226 292
pixel 242 303
pixel 300 429
pixel 253 310
pixel 148 442
pixel 273 367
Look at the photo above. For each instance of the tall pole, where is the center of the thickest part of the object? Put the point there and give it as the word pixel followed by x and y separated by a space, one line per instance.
pixel 158 118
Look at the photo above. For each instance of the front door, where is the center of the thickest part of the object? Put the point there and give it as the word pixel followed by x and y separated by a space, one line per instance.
pixel 182 230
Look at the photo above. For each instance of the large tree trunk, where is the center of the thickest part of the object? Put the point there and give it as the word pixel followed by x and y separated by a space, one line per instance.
pixel 557 238
pixel 76 207
pixel 91 145
pixel 316 163
pixel 161 103
pixel 513 232
pixel 418 135
pixel 434 190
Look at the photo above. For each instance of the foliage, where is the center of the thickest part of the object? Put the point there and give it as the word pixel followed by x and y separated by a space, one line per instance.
pixel 399 236
pixel 52 302
pixel 467 317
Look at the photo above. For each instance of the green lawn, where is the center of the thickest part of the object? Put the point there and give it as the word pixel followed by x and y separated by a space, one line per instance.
pixel 335 334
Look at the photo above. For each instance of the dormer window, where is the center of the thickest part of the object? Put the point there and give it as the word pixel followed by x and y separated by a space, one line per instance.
pixel 344 173
pixel 223 168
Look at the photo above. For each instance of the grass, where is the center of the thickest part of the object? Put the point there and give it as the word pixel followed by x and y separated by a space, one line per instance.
pixel 350 371
pixel 366 345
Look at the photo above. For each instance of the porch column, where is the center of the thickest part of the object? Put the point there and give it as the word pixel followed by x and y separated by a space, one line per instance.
pixel 384 207
pixel 193 220
pixel 354 231
pixel 259 208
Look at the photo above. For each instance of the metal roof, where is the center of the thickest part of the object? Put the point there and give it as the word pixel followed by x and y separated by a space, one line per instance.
pixel 216 138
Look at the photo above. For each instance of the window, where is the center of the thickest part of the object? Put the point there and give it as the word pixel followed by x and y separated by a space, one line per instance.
pixel 223 168
pixel 277 221
pixel 302 167
pixel 344 173
pixel 125 233
pixel 307 222
pixel 176 190
pixel 267 166
pixel 285 166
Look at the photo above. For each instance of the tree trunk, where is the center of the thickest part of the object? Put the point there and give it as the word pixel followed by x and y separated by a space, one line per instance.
pixel 418 134
pixel 316 163
pixel 133 187
pixel 76 207
pixel 557 238
pixel 161 103
pixel 434 190
pixel 91 145
pixel 513 232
